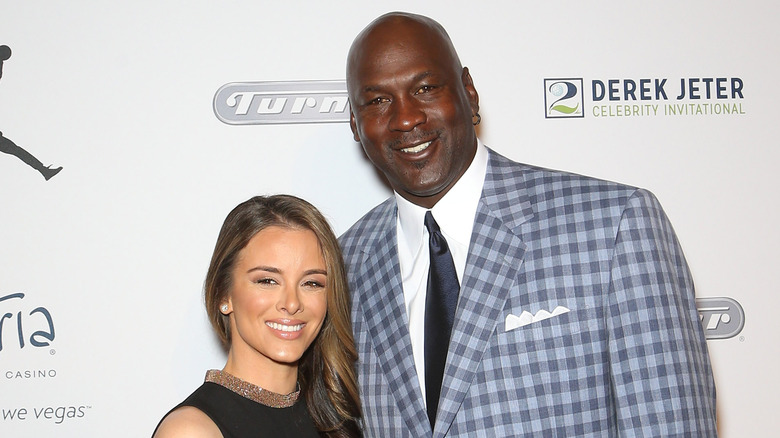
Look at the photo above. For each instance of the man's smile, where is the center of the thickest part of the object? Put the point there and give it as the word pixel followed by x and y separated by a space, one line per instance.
pixel 415 149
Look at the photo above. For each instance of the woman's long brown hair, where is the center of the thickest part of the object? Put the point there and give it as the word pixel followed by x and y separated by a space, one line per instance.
pixel 326 371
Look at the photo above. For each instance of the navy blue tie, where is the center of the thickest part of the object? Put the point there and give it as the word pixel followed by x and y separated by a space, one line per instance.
pixel 440 302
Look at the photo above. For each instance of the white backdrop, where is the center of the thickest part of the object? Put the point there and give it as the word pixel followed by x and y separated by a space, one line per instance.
pixel 115 247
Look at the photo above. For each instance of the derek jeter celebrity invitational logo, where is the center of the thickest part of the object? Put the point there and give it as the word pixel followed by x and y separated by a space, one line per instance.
pixel 563 98
pixel 644 97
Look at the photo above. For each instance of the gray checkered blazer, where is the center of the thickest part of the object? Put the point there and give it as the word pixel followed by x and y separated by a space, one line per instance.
pixel 628 359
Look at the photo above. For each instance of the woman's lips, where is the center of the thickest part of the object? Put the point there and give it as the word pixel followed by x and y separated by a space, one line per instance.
pixel 285 327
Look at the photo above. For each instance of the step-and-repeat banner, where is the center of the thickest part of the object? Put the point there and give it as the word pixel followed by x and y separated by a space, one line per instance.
pixel 130 129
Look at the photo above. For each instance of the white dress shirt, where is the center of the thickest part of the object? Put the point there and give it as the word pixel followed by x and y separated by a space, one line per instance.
pixel 455 215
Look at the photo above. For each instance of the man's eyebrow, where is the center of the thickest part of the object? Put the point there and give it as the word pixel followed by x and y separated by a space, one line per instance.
pixel 423 75
pixel 378 88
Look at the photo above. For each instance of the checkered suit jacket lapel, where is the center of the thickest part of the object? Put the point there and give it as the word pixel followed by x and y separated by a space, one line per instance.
pixel 385 316
pixel 495 255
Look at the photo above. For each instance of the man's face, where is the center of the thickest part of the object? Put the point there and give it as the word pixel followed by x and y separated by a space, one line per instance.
pixel 412 108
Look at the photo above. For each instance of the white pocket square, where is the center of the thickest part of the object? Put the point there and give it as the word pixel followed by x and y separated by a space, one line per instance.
pixel 525 318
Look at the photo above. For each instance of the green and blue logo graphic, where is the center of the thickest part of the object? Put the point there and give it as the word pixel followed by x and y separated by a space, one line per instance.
pixel 563 98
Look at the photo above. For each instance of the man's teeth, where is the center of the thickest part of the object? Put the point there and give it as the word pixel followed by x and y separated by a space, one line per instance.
pixel 284 328
pixel 419 148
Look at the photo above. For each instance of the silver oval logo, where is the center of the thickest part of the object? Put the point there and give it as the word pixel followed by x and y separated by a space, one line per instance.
pixel 262 103
pixel 721 317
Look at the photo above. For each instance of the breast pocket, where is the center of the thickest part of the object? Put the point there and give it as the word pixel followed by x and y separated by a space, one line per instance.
pixel 566 332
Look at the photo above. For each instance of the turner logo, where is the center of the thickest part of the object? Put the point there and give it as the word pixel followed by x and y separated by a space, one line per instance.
pixel 263 103
pixel 563 98
pixel 721 318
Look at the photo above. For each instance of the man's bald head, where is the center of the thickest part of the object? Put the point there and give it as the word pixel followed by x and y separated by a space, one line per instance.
pixel 399 28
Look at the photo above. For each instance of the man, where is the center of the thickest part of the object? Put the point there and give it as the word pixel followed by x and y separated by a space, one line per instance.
pixel 11 148
pixel 575 311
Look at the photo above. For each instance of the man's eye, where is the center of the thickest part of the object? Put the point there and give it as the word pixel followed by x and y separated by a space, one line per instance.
pixel 376 101
pixel 425 89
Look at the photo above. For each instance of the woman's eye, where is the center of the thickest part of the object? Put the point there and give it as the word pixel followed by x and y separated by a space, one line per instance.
pixel 314 284
pixel 265 281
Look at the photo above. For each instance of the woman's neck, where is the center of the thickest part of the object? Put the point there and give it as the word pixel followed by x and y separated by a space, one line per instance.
pixel 281 378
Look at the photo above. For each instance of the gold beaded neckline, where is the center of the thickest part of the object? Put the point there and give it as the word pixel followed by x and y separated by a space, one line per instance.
pixel 252 391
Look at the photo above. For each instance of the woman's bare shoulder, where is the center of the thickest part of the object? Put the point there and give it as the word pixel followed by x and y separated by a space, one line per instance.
pixel 189 422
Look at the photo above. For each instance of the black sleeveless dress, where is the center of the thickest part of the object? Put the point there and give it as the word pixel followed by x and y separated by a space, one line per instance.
pixel 238 409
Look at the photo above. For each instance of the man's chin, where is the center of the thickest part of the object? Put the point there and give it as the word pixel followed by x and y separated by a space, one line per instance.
pixel 424 196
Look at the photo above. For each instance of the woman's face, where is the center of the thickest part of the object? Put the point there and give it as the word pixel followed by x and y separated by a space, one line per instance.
pixel 278 299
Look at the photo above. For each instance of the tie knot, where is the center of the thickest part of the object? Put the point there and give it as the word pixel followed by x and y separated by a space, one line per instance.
pixel 430 223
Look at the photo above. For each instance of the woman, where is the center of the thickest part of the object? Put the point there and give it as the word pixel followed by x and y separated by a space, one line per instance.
pixel 276 294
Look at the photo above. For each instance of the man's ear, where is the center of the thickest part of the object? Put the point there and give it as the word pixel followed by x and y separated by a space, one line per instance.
pixel 353 125
pixel 471 91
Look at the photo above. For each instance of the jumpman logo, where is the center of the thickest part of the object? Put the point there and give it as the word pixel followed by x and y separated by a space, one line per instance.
pixel 11 148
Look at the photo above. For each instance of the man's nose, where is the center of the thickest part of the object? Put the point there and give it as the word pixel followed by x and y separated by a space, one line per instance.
pixel 406 115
